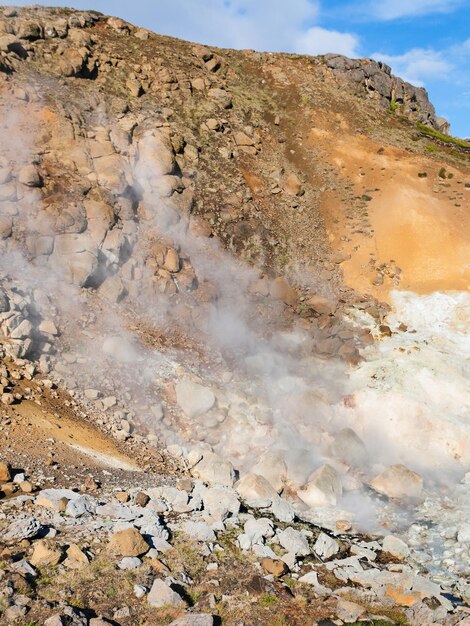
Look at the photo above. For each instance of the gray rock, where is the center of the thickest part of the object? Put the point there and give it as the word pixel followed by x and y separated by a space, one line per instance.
pixel 282 510
pixel 55 499
pixel 294 541
pixel 118 512
pixel 22 331
pixel 194 399
pixel 130 562
pixel 323 488
pixel 463 533
pixel 23 528
pixel 349 612
pixel 220 502
pixel 214 469
pixel 81 505
pixel 194 619
pixel 256 530
pixel 349 448
pixel 395 546
pixel 200 531
pixel 273 467
pixel 162 594
pixel 325 546
pixel 139 591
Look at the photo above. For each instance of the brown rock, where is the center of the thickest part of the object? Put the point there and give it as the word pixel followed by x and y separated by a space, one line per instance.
pixel 122 496
pixel 242 139
pixel 276 567
pixel 292 185
pixel 213 65
pixel 45 552
pixel 5 474
pixel 397 481
pixel 340 257
pixel 321 305
pixel 76 558
pixel 401 597
pixel 7 398
pixel 128 542
pixel 198 84
pixel 199 227
pixel 158 566
pixel 90 484
pixel 172 261
pixel 9 488
pixel 141 499
pixel 343 525
pixel 281 290
pixel 26 486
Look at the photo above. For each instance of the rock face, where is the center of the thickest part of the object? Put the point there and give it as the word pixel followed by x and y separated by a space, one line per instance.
pixel 374 78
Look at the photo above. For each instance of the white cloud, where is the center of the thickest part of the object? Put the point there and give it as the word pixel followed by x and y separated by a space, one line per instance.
pixel 318 40
pixel 395 9
pixel 417 65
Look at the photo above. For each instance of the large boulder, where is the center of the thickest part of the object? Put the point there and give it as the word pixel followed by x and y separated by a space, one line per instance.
pixel 273 467
pixel 194 399
pixel 256 491
pixel 397 481
pixel 214 469
pixel 323 488
pixel 348 447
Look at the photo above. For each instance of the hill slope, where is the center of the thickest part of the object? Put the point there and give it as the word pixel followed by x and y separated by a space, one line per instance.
pixel 207 260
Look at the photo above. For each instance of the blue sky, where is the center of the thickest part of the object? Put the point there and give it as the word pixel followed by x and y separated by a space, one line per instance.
pixel 425 41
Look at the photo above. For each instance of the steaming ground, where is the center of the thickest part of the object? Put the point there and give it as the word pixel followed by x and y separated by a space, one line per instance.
pixel 412 406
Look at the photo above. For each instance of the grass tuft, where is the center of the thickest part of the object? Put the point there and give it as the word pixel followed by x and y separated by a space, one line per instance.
pixel 431 132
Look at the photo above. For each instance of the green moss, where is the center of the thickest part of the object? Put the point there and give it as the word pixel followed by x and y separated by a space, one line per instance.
pixel 431 132
pixel 268 600
pixel 393 106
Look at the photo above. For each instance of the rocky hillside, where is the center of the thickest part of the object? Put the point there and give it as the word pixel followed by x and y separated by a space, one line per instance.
pixel 198 249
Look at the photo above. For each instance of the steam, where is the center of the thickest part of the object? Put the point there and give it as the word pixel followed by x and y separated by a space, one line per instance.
pixel 272 392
